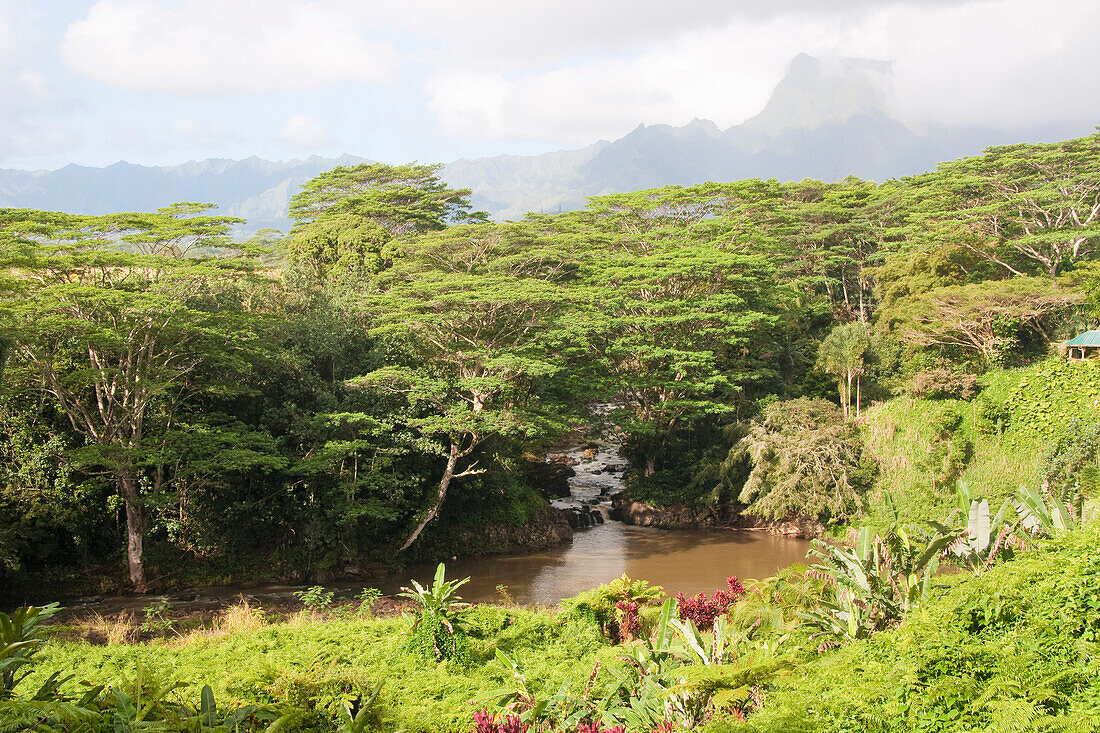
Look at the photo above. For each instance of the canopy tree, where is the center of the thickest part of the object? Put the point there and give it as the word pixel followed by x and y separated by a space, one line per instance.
pixel 675 297
pixel 476 309
pixel 345 217
pixel 839 232
pixel 1040 202
pixel 340 249
pixel 985 319
pixel 111 315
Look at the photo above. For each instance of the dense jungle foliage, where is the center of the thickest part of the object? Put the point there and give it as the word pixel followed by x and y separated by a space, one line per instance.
pixel 383 381
pixel 1009 645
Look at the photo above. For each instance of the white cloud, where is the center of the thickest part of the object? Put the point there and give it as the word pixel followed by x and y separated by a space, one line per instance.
pixel 982 62
pixel 720 73
pixel 27 124
pixel 488 34
pixel 1001 64
pixel 217 47
pixel 302 131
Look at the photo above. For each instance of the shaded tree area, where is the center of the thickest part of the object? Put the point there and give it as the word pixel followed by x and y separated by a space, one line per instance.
pixel 179 406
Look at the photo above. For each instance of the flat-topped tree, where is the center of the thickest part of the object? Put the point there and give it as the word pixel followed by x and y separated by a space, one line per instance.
pixel 476 308
pixel 113 334
pixel 985 320
pixel 1034 205
pixel 345 218
pixel 839 231
pixel 675 296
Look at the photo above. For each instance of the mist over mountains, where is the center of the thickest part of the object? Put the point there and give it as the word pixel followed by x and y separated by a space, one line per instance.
pixel 824 120
pixel 253 188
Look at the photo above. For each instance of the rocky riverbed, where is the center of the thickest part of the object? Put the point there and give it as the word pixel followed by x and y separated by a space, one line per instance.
pixel 597 479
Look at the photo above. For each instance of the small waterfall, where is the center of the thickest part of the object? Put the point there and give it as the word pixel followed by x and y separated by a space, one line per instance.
pixel 599 477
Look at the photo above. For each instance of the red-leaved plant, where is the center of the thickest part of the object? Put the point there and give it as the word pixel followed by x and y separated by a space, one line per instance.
pixel 595 728
pixel 629 625
pixel 486 722
pixel 703 611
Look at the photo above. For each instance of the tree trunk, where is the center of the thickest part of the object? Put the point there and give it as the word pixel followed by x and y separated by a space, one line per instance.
pixel 135 527
pixel 650 465
pixel 859 394
pixel 441 494
pixel 848 398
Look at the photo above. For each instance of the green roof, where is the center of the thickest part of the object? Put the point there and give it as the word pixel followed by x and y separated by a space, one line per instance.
pixel 1088 338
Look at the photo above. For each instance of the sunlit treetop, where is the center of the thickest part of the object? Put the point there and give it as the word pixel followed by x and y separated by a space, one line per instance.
pixel 403 199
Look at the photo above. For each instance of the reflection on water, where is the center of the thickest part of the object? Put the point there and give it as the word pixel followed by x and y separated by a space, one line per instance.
pixel 687 561
pixel 679 560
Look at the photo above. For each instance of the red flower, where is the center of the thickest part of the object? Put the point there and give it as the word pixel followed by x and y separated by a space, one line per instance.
pixel 629 625
pixel 703 611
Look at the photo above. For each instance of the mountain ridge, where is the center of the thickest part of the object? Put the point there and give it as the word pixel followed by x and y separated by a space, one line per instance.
pixel 825 119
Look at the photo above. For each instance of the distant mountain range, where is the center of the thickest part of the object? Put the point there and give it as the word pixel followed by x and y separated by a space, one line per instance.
pixel 253 188
pixel 825 120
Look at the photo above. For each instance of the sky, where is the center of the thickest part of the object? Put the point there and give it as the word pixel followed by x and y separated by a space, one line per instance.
pixel 161 82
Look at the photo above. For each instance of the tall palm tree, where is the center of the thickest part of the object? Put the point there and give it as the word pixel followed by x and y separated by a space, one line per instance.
pixel 843 353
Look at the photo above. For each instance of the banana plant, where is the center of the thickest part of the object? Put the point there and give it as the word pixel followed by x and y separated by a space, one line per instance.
pixel 439 600
pixel 878 580
pixel 20 634
pixel 983 539
pixel 1042 516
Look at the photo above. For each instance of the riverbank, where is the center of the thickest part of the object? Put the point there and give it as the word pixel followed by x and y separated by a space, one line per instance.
pixel 988 634
pixel 641 514
pixel 688 561
pixel 189 576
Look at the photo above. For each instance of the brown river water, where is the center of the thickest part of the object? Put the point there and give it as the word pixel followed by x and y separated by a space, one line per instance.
pixel 678 560
pixel 687 561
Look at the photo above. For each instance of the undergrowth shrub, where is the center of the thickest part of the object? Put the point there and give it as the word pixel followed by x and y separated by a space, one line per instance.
pixel 805 459
pixel 942 383
pixel 703 610
pixel 951 448
pixel 602 606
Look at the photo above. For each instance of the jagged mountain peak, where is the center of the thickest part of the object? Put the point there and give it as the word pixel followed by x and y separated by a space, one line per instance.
pixel 817 92
pixel 827 118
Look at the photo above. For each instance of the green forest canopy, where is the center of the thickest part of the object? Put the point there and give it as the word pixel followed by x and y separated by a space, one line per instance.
pixel 372 382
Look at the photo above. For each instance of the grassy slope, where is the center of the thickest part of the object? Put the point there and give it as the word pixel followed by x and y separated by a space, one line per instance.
pixel 1040 404
pixel 1016 649
pixel 315 665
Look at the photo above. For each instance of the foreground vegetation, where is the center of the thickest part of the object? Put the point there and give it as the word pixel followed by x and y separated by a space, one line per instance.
pixel 1009 647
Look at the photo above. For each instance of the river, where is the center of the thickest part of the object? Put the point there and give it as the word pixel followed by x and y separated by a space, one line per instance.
pixel 687 561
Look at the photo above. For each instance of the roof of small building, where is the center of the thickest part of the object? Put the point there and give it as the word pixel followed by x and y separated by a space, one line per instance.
pixel 1088 338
